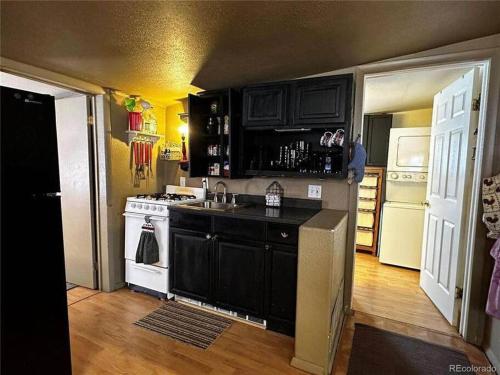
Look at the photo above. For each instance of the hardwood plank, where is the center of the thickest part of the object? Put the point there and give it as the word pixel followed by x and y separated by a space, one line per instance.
pixel 394 292
pixel 105 340
pixel 79 293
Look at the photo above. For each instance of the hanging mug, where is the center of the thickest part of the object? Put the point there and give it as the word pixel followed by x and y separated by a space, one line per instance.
pixel 325 139
pixel 338 138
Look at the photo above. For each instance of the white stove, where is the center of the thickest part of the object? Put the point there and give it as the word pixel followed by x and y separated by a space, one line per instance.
pixel 154 207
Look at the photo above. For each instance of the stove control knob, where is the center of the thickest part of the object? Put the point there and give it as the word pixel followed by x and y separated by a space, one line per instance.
pixel 160 209
pixel 132 205
pixel 394 176
pixel 409 176
pixel 422 177
pixel 146 206
pixel 153 208
pixel 139 205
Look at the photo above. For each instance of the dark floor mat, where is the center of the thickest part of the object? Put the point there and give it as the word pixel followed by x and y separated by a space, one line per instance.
pixel 375 351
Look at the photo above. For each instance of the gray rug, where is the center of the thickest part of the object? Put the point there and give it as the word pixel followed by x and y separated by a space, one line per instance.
pixel 70 286
pixel 186 324
pixel 375 351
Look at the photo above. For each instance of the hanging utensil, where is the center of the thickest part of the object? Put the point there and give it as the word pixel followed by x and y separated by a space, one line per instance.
pixel 136 162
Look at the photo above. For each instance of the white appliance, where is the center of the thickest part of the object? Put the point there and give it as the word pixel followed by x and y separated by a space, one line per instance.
pixel 406 184
pixel 152 278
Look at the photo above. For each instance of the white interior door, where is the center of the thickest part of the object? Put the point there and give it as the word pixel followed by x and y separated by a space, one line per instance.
pixel 73 141
pixel 449 165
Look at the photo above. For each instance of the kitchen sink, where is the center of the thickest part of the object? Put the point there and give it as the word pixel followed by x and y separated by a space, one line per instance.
pixel 215 206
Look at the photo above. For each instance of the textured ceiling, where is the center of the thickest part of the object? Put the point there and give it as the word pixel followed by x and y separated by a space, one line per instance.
pixel 407 91
pixel 158 49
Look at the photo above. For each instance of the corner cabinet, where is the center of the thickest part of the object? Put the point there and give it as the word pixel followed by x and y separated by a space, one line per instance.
pixel 376 139
pixel 214 133
pixel 216 264
pixel 320 101
pixel 265 105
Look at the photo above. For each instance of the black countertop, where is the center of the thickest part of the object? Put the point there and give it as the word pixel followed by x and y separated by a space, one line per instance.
pixel 295 211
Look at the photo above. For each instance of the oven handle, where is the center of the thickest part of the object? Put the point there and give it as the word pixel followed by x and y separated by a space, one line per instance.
pixel 144 269
pixel 138 216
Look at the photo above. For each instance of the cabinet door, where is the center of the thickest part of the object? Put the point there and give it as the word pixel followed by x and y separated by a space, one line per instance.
pixel 265 106
pixel 282 288
pixel 320 101
pixel 239 277
pixel 197 148
pixel 190 256
pixel 377 129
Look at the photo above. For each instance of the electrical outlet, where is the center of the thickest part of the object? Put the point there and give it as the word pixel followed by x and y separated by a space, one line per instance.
pixel 182 181
pixel 314 191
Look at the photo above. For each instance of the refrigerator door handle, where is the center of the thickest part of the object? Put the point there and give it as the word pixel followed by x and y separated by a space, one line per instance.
pixel 46 195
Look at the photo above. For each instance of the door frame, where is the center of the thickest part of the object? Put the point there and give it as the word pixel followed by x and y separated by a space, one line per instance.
pixel 91 92
pixel 472 319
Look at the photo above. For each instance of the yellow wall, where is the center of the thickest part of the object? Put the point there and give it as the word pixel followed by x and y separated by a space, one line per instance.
pixel 121 181
pixel 412 119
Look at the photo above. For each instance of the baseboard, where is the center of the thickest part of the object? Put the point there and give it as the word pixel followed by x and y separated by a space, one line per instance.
pixel 493 359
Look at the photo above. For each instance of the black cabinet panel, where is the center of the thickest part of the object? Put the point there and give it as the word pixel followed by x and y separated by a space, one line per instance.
pixel 376 132
pixel 194 222
pixel 282 233
pixel 265 105
pixel 239 280
pixel 282 288
pixel 190 264
pixel 240 229
pixel 320 101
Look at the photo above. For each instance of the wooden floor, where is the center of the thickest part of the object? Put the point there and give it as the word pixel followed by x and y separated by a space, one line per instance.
pixel 104 340
pixel 394 292
pixel 77 294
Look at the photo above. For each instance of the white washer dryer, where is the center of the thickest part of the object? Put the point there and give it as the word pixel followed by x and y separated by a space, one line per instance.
pixel 402 219
pixel 401 237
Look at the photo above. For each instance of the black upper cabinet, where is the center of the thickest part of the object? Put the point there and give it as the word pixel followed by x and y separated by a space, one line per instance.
pixel 320 101
pixel 265 105
pixel 214 133
pixel 239 277
pixel 377 129
pixel 190 259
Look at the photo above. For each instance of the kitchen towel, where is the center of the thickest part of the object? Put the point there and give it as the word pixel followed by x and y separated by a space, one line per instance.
pixel 357 165
pixel 491 205
pixel 493 303
pixel 147 251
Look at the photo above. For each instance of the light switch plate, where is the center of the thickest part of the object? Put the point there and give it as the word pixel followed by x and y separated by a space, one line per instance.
pixel 314 191
pixel 182 181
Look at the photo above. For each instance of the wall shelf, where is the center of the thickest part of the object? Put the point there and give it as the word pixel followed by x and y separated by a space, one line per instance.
pixel 143 136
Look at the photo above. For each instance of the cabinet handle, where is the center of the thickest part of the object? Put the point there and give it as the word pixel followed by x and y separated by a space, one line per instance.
pixel 284 234
pixel 208 236
pixel 267 247
pixel 215 237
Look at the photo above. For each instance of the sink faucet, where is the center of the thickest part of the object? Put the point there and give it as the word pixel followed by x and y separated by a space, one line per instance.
pixel 223 195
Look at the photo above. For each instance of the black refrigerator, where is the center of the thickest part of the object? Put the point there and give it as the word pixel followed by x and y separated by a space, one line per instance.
pixel 34 316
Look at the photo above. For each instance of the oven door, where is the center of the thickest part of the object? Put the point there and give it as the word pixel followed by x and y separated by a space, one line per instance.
pixel 409 150
pixel 133 230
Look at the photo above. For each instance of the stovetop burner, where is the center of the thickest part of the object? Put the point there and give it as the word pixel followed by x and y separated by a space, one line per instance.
pixel 166 197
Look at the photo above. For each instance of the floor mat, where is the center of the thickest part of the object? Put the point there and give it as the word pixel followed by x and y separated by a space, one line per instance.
pixel 186 324
pixel 70 286
pixel 375 351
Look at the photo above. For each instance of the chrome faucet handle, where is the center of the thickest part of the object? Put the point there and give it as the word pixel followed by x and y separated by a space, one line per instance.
pixel 233 199
pixel 216 199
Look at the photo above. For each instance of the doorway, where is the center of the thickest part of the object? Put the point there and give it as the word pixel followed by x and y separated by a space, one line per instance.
pixel 76 174
pixel 400 116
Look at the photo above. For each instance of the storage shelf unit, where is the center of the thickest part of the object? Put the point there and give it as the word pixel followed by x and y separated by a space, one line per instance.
pixel 369 205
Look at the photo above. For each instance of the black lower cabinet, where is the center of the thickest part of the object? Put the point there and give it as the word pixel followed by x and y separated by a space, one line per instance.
pixel 239 277
pixel 190 264
pixel 257 278
pixel 282 288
